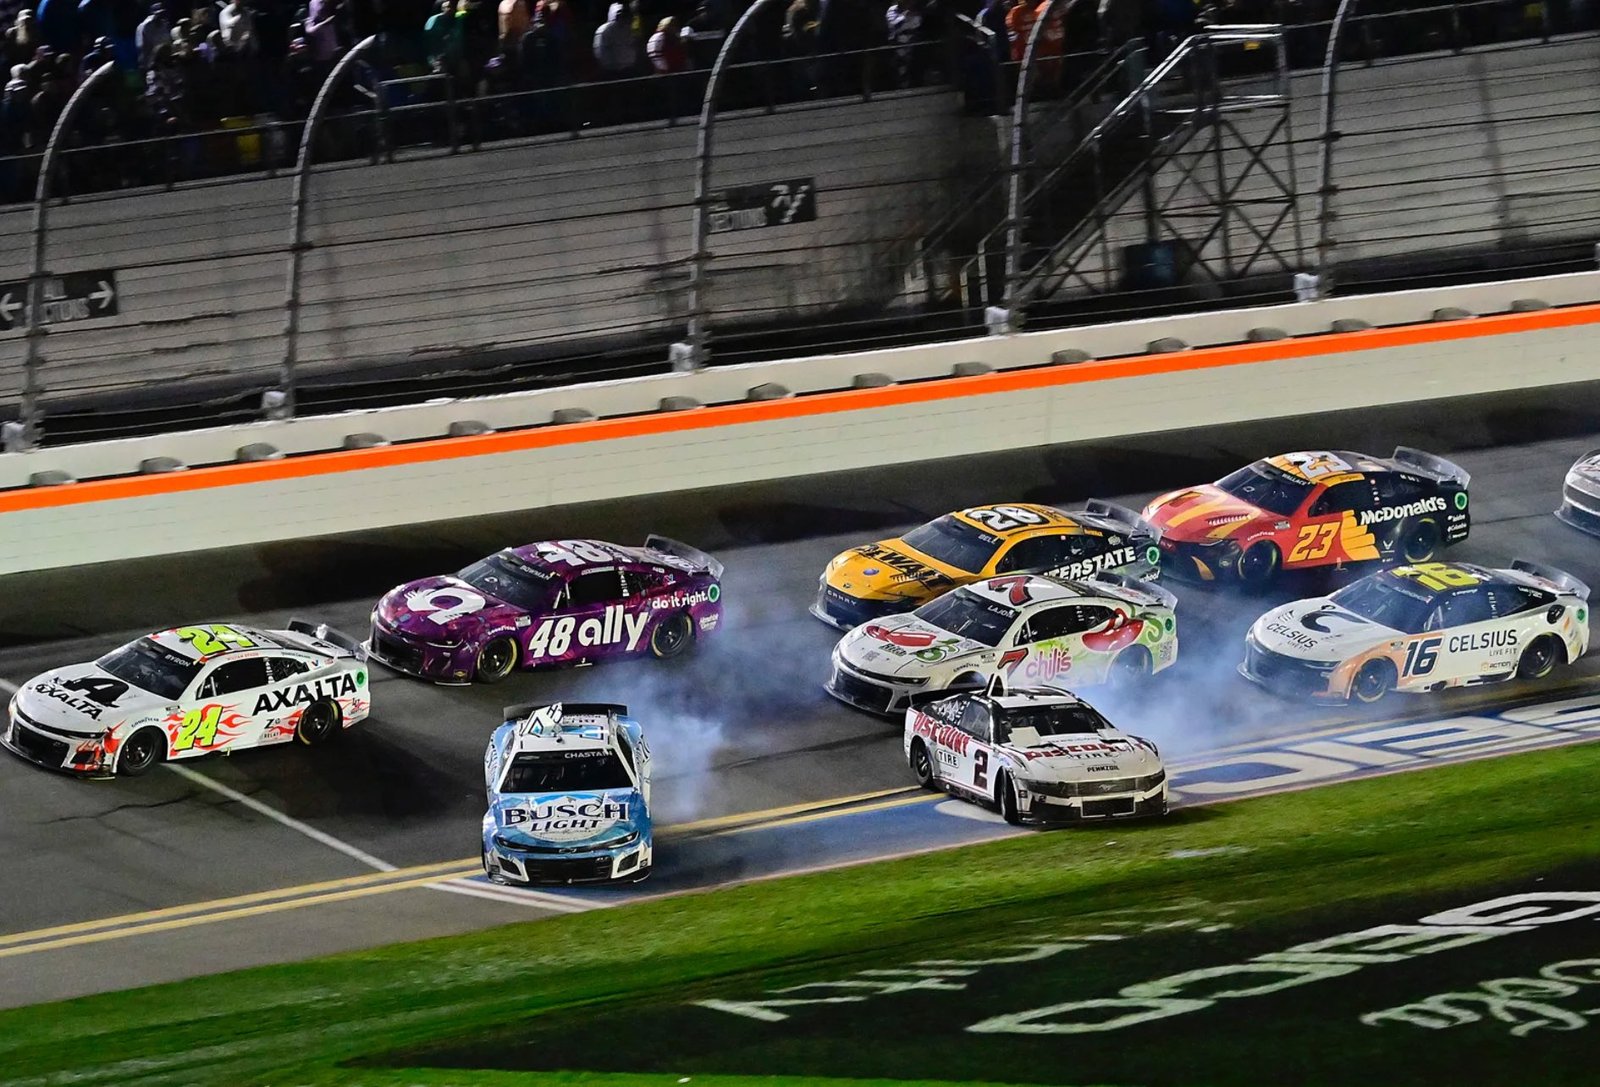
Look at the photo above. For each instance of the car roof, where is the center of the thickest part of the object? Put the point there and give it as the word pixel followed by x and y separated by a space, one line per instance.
pixel 1416 587
pixel 1054 521
pixel 1020 698
pixel 1041 590
pixel 556 727
pixel 1328 466
pixel 183 641
pixel 533 556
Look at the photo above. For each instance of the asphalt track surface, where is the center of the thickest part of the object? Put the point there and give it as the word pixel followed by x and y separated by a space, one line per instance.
pixel 289 852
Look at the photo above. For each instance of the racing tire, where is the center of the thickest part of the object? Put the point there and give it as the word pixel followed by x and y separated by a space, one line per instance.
pixel 672 636
pixel 1373 681
pixel 319 723
pixel 1540 658
pixel 922 766
pixel 1129 667
pixel 1009 809
pixel 496 660
pixel 140 752
pixel 1259 565
pixel 1420 543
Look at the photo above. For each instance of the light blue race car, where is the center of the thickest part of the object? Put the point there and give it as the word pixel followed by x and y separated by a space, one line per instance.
pixel 569 796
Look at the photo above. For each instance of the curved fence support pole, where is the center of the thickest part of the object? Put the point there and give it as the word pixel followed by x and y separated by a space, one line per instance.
pixel 1322 284
pixel 32 387
pixel 693 353
pixel 297 230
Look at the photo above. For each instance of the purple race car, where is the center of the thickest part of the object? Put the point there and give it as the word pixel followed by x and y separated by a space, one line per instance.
pixel 551 603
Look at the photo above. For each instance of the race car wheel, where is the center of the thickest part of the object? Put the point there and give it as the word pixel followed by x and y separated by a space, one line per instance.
pixel 140 752
pixel 1129 667
pixel 319 722
pixel 922 765
pixel 671 636
pixel 496 660
pixel 1540 658
pixel 1421 542
pixel 1008 801
pixel 1373 681
pixel 1258 566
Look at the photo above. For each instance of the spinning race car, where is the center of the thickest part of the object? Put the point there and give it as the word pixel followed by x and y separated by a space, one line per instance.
pixel 1038 754
pixel 1580 494
pixel 1303 510
pixel 894 576
pixel 559 602
pixel 1029 628
pixel 182 693
pixel 1421 628
pixel 569 796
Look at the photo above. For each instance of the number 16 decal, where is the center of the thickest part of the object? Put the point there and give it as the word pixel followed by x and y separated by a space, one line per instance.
pixel 1422 656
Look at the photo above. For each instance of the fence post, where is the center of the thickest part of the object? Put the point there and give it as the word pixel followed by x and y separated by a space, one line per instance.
pixel 32 387
pixel 285 407
pixel 1323 285
pixel 693 352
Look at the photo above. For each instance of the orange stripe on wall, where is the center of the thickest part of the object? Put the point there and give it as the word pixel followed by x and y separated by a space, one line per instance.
pixel 543 437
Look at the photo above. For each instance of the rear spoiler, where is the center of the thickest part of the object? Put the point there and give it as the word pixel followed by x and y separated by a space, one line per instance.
pixel 322 632
pixel 1131 589
pixel 1559 578
pixel 1445 471
pixel 669 546
pixel 1110 515
pixel 526 709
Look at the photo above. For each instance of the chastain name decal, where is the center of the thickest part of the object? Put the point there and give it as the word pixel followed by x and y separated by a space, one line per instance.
pixel 1410 509
pixel 300 694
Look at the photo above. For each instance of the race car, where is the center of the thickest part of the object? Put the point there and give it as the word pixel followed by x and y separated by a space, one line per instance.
pixel 1030 628
pixel 189 691
pixel 1040 755
pixel 557 602
pixel 569 796
pixel 1310 509
pixel 1580 494
pixel 891 577
pixel 1421 628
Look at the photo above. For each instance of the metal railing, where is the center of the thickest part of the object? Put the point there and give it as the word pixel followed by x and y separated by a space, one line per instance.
pixel 367 118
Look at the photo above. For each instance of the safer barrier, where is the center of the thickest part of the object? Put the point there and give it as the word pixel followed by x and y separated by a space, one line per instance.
pixel 1045 398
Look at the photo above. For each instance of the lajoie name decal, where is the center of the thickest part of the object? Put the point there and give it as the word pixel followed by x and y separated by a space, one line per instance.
pixel 554 637
pixel 302 693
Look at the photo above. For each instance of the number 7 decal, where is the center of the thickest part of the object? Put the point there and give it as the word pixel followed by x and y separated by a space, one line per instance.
pixel 1012 658
pixel 1314 543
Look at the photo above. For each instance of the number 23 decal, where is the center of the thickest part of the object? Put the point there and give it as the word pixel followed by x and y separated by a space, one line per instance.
pixel 1314 543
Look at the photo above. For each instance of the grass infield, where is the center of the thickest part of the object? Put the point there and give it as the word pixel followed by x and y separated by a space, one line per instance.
pixel 611 989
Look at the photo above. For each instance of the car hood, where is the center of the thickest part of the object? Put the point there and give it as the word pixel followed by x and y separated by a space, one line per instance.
pixel 52 699
pixel 1082 758
pixel 568 819
pixel 1204 514
pixel 889 570
pixel 904 645
pixel 444 609
pixel 1319 630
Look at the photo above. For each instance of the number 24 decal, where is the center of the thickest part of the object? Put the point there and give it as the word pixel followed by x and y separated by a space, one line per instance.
pixel 211 639
pixel 1314 543
pixel 199 727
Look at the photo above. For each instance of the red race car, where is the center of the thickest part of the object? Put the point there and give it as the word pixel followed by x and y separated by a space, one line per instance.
pixel 1301 510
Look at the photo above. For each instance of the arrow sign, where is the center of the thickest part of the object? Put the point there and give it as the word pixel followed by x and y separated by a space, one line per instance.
pixel 76 296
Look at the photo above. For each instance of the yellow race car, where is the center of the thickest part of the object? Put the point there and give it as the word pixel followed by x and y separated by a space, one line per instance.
pixel 898 575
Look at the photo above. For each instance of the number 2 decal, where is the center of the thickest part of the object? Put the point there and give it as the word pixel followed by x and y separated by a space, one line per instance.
pixel 199 727
pixel 1314 543
pixel 980 768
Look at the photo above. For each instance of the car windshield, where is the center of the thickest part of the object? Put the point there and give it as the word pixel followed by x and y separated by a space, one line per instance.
pixel 512 580
pixel 1385 600
pixel 151 667
pixel 1048 721
pixel 954 543
pixel 584 770
pixel 968 615
pixel 1260 484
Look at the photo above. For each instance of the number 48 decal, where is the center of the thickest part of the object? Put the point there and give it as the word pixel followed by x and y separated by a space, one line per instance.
pixel 1421 656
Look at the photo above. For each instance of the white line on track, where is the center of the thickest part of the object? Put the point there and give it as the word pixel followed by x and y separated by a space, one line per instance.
pixel 9 688
pixel 496 893
pixel 353 852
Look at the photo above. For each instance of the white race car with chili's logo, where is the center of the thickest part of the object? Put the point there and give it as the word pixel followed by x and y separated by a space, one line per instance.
pixel 1030 628
pixel 1038 754
pixel 181 693
pixel 1421 628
